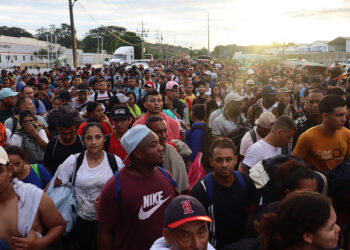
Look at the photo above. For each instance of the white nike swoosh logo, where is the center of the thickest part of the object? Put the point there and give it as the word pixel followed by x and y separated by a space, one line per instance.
pixel 145 215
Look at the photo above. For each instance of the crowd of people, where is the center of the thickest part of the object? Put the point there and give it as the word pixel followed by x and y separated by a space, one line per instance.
pixel 181 155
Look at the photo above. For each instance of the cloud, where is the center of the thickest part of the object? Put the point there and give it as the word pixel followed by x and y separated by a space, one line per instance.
pixel 342 13
pixel 184 22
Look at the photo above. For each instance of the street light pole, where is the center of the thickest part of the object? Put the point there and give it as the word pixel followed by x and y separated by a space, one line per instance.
pixel 74 40
pixel 102 45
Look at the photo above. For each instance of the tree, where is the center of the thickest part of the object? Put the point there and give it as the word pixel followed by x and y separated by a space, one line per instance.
pixel 14 31
pixel 132 38
pixel 109 33
pixel 63 34
pixel 41 52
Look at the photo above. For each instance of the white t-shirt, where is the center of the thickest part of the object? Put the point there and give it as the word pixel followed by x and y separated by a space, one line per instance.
pixel 247 141
pixel 100 97
pixel 88 183
pixel 78 106
pixel 260 150
pixel 16 139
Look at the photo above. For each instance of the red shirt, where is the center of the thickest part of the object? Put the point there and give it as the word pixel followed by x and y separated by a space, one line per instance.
pixel 138 214
pixel 173 126
pixel 115 147
pixel 104 125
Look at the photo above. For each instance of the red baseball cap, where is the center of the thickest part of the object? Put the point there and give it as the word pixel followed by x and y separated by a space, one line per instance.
pixel 149 84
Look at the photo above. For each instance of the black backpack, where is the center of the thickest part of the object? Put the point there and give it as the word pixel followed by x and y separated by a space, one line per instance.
pixel 111 161
pixel 207 141
pixel 107 142
pixel 103 101
pixel 238 134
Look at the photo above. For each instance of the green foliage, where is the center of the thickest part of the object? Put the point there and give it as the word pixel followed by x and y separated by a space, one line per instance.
pixel 62 33
pixel 14 31
pixel 132 38
pixel 168 50
pixel 40 52
pixel 90 43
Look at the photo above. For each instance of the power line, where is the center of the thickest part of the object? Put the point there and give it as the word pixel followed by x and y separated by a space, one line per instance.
pixel 142 34
pixel 103 27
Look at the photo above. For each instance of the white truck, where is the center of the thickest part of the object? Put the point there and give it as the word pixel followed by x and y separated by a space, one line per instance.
pixel 122 55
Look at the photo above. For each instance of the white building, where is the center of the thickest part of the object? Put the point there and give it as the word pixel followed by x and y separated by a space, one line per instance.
pixel 319 46
pixel 20 51
pixel 340 44
pixel 302 48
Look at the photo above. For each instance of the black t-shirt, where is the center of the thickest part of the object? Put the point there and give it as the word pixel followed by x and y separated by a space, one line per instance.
pixel 56 155
pixel 199 100
pixel 230 209
pixel 177 105
pixel 304 123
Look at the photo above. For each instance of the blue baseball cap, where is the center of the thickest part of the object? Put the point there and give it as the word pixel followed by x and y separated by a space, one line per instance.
pixel 7 92
pixel 182 209
pixel 132 138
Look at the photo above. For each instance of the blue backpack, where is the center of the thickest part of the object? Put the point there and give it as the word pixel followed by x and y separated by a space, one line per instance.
pixel 117 186
pixel 208 181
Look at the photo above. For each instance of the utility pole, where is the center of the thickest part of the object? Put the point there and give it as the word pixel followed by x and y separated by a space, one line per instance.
pixel 51 47
pixel 102 45
pixel 48 50
pixel 142 34
pixel 98 45
pixel 161 45
pixel 74 40
pixel 208 37
pixel 55 47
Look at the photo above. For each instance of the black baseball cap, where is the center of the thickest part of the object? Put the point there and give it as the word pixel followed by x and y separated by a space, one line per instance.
pixel 82 87
pixel 182 209
pixel 268 89
pixel 120 112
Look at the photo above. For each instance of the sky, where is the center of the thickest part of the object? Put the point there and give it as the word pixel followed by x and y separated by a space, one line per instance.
pixel 185 22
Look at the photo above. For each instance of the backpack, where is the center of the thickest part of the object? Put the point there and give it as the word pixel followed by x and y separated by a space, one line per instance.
pixel 238 134
pixel 255 110
pixel 118 188
pixel 82 106
pixel 37 172
pixel 55 145
pixel 33 149
pixel 253 135
pixel 107 142
pixel 111 161
pixel 272 190
pixel 101 101
pixel 207 141
pixel 36 103
pixel 208 184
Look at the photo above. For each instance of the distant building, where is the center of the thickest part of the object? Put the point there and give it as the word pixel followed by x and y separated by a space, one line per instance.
pixel 303 48
pixel 340 44
pixel 20 51
pixel 319 46
pixel 23 52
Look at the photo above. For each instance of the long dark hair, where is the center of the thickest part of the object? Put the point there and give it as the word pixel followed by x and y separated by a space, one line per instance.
pixel 212 94
pixel 299 213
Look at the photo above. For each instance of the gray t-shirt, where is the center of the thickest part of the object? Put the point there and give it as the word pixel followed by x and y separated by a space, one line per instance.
pixel 222 126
